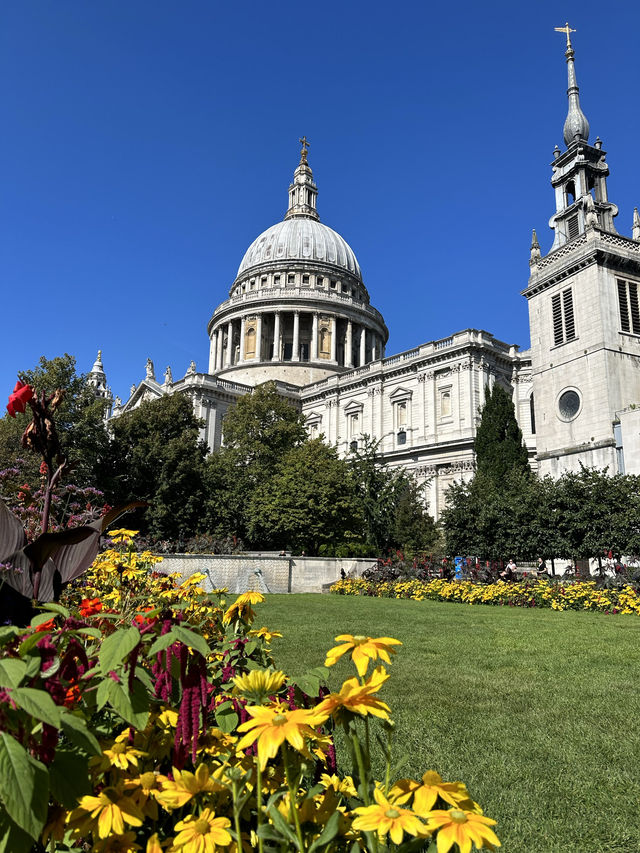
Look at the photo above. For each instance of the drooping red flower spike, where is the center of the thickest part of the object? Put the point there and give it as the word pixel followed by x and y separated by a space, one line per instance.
pixel 19 398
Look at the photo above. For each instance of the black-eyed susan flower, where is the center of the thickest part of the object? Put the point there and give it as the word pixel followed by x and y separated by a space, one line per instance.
pixel 122 535
pixel 265 634
pixel 357 698
pixel 107 812
pixel 201 834
pixel 462 827
pixel 185 785
pixel 363 649
pixel 241 608
pixel 388 818
pixel 259 684
pixel 426 793
pixel 270 726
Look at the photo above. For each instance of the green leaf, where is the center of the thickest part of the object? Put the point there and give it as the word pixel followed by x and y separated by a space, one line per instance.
pixel 24 786
pixel 226 717
pixel 283 827
pixel 161 644
pixel 76 730
pixel 29 643
pixel 56 608
pixel 34 662
pixel 90 632
pixel 146 679
pixel 311 682
pixel 250 647
pixel 69 777
pixel 133 707
pixel 38 703
pixel 114 649
pixel 328 833
pixel 12 671
pixel 191 639
pixel 102 693
pixel 40 619
pixel 7 632
pixel 12 838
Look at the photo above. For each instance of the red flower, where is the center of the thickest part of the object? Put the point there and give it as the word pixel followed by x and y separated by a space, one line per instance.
pixel 18 400
pixel 72 696
pixel 89 606
pixel 144 620
pixel 49 625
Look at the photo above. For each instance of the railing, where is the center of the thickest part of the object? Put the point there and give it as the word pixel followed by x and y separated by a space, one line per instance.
pixel 274 295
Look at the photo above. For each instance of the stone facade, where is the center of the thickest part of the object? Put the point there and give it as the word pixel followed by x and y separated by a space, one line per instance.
pixel 299 314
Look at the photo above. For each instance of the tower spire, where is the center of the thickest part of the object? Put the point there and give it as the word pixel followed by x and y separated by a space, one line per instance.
pixel 576 126
pixel 303 193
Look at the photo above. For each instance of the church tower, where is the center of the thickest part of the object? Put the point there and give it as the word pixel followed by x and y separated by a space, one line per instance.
pixel 584 311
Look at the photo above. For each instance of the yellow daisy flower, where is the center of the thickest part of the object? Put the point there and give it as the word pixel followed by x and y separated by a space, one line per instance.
pixel 108 812
pixel 363 649
pixel 357 698
pixel 122 535
pixel 426 794
pixel 259 684
pixel 201 834
pixel 121 844
pixel 340 786
pixel 388 818
pixel 274 724
pixel 241 608
pixel 461 827
pixel 186 785
pixel 122 755
pixel 265 634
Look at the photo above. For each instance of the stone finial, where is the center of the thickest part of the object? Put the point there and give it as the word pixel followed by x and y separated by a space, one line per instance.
pixel 556 152
pixel 535 248
pixel 576 126
pixel 590 215
pixel 636 224
pixel 168 376
pixel 150 371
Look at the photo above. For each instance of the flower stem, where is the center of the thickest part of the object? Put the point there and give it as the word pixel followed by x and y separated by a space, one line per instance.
pixel 236 814
pixel 258 805
pixel 292 796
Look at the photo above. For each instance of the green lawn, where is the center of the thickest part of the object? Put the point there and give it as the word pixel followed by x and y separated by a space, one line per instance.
pixel 537 711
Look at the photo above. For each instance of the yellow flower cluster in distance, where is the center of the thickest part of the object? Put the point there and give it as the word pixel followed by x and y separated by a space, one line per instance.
pixel 569 595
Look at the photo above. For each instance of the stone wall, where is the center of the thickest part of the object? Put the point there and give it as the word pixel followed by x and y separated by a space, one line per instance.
pixel 264 573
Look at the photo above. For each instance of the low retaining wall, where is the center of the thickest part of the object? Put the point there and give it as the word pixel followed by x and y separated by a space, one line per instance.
pixel 265 574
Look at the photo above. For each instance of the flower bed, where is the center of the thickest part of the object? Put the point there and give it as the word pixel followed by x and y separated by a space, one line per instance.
pixel 578 595
pixel 142 715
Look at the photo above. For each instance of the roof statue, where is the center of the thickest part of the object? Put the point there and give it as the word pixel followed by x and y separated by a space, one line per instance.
pixel 151 374
pixel 168 376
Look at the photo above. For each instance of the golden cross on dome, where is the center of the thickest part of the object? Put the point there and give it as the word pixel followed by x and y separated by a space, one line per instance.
pixel 305 146
pixel 567 31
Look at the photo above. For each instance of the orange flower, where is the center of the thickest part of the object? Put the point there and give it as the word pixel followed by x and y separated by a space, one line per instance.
pixel 49 625
pixel 72 696
pixel 89 606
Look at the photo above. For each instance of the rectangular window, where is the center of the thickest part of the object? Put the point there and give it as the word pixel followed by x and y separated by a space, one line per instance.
pixel 564 324
pixel 305 279
pixel 629 306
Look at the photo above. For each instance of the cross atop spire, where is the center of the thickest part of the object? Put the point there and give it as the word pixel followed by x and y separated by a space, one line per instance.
pixel 305 146
pixel 567 31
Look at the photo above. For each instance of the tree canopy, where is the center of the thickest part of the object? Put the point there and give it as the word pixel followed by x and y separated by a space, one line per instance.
pixel 498 444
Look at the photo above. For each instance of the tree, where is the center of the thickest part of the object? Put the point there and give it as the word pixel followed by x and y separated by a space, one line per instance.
pixel 259 430
pixel 498 444
pixel 157 456
pixel 414 529
pixel 80 423
pixel 309 501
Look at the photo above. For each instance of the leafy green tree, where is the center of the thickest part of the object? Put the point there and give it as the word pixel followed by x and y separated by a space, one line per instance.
pixel 498 444
pixel 309 502
pixel 157 456
pixel 259 430
pixel 414 530
pixel 80 424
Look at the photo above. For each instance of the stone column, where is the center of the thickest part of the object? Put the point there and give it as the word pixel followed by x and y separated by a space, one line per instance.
pixel 314 337
pixel 363 345
pixel 229 356
pixel 295 354
pixel 348 356
pixel 242 330
pixel 334 329
pixel 276 337
pixel 219 353
pixel 213 351
pixel 259 338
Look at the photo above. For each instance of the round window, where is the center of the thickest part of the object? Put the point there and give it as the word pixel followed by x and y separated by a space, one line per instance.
pixel 569 405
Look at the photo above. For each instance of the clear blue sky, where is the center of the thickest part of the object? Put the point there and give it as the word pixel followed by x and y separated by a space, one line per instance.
pixel 146 144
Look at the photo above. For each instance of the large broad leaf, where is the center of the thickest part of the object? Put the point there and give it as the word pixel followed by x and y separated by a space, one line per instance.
pixel 47 545
pixel 69 777
pixel 191 639
pixel 18 573
pixel 77 732
pixel 226 717
pixel 38 703
pixel 12 535
pixel 24 786
pixel 12 838
pixel 115 648
pixel 132 706
pixel 74 559
pixel 12 671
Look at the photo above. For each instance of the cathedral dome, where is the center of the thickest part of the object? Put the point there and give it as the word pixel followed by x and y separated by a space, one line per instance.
pixel 300 239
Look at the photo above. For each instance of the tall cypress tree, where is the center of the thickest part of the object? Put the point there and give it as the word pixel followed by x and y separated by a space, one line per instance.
pixel 498 444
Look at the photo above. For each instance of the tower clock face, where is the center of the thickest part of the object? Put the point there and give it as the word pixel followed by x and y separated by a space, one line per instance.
pixel 569 404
